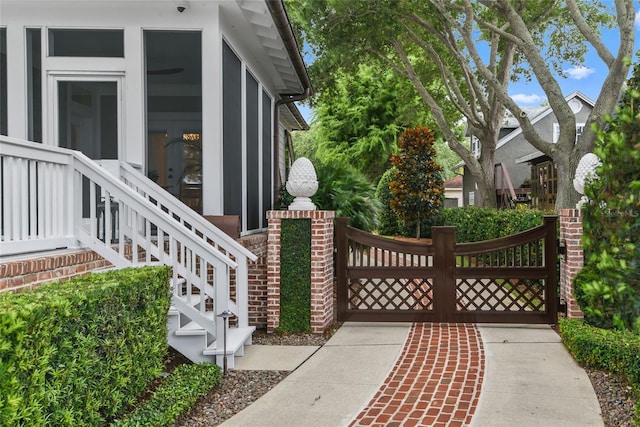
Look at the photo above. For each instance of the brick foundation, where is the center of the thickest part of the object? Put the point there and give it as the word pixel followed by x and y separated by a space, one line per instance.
pixel 321 267
pixel 257 274
pixel 573 260
pixel 27 273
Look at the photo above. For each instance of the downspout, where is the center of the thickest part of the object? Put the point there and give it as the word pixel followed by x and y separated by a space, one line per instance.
pixel 281 20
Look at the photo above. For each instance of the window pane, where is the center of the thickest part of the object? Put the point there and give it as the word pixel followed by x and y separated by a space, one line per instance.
pixel 3 81
pixel 34 80
pixel 232 131
pixel 88 118
pixel 253 155
pixel 91 43
pixel 173 62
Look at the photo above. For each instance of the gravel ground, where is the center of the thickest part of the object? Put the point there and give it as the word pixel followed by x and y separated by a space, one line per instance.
pixel 617 400
pixel 240 388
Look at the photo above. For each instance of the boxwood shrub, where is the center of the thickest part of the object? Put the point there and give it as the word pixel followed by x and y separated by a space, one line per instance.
pixel 475 224
pixel 177 394
pixel 616 352
pixel 79 352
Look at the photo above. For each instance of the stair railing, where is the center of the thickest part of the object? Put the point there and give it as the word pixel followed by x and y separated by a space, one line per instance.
pixel 53 197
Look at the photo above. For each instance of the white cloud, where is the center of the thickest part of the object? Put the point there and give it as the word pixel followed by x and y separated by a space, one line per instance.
pixel 579 72
pixel 638 19
pixel 521 98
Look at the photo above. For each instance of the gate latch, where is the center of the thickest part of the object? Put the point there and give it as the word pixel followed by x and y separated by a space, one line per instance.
pixel 562 247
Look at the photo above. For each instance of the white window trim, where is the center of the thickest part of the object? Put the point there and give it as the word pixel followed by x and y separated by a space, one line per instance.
pixel 52 113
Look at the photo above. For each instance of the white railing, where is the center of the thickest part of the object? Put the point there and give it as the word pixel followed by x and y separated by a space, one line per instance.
pixel 202 228
pixel 35 201
pixel 53 197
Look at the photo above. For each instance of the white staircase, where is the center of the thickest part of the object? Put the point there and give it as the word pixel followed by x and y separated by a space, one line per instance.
pixel 53 197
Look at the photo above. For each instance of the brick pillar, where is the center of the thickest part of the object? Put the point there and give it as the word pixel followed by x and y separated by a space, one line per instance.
pixel 321 267
pixel 573 260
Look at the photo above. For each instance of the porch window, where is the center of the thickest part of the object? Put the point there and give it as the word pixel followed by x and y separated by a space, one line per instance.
pixel 88 117
pixel 34 83
pixel 3 81
pixel 174 113
pixel 86 43
pixel 247 143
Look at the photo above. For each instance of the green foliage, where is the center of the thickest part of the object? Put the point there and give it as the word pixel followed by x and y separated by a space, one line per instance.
pixel 476 224
pixel 612 220
pixel 388 222
pixel 417 190
pixel 295 275
pixel 78 352
pixel 177 394
pixel 349 193
pixel 613 351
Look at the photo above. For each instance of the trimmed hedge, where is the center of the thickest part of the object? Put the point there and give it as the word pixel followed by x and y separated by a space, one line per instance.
pixel 476 224
pixel 78 352
pixel 295 275
pixel 177 394
pixel 616 352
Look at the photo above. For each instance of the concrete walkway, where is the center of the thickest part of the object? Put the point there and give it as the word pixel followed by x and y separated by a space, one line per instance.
pixel 398 374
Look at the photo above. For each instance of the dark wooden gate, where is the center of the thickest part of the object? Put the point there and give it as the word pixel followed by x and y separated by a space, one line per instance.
pixel 512 279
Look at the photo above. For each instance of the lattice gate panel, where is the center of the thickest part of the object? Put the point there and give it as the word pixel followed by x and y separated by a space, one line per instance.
pixel 390 294
pixel 500 295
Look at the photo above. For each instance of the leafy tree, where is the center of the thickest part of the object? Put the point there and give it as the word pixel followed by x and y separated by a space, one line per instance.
pixel 341 188
pixel 348 192
pixel 470 50
pixel 417 188
pixel 609 286
pixel 357 123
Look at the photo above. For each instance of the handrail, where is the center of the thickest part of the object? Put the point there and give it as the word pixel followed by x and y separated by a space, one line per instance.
pixel 55 197
pixel 122 192
pixel 183 213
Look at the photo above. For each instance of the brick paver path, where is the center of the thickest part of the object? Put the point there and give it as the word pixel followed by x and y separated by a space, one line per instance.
pixel 435 382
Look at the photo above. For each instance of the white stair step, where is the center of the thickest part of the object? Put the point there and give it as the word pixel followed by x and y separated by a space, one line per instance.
pixel 192 328
pixel 236 339
pixel 195 299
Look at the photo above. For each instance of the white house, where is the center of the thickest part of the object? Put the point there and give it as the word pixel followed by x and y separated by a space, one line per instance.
pixel 193 93
pixel 113 112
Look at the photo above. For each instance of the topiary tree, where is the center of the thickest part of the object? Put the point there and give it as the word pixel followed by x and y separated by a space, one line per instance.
pixel 388 221
pixel 417 190
pixel 610 294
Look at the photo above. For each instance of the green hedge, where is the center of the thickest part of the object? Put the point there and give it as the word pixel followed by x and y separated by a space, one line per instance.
pixel 295 275
pixel 616 352
pixel 79 352
pixel 476 224
pixel 177 394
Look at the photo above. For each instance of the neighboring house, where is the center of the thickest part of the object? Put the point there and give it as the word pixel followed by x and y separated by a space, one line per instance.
pixel 532 175
pixel 179 101
pixel 192 93
pixel 453 192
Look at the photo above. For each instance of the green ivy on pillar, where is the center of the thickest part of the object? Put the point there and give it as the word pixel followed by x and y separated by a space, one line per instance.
pixel 295 275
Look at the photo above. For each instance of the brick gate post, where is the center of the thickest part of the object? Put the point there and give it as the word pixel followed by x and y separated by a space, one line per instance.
pixel 322 309
pixel 573 260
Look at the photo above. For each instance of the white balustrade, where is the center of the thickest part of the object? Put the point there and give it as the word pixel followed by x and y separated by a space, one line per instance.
pixel 53 197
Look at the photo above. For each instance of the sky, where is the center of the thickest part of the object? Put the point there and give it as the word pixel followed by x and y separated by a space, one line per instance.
pixel 586 78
